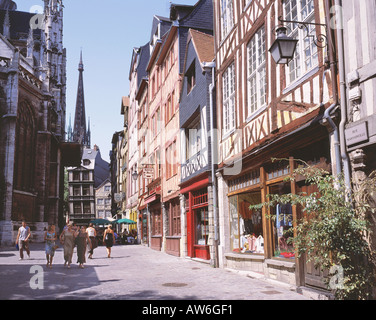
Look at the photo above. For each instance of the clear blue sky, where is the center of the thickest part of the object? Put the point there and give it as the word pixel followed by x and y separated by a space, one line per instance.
pixel 107 31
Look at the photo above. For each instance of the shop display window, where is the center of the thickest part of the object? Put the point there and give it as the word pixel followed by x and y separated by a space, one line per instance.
pixel 282 224
pixel 202 226
pixel 246 224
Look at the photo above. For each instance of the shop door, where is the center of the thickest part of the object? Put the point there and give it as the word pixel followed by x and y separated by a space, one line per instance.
pixel 313 277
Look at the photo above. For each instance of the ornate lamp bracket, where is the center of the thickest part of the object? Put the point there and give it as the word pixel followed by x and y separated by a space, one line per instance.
pixel 320 40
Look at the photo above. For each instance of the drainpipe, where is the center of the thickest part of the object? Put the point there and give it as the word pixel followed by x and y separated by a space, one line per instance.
pixel 333 71
pixel 206 67
pixel 342 81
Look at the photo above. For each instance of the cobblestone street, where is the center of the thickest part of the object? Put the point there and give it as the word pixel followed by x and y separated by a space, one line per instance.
pixel 133 273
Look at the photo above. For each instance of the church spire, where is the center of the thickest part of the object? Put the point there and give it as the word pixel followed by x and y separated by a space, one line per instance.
pixel 80 133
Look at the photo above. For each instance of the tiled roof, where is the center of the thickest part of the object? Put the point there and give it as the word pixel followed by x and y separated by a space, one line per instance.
pixel 204 45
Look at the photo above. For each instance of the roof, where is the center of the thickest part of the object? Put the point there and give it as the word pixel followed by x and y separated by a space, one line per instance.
pixel 19 24
pixel 204 45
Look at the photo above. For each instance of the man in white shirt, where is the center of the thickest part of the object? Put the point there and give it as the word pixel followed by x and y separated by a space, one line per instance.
pixel 23 237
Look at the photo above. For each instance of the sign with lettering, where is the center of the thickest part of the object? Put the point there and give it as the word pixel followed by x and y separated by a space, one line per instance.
pixel 148 173
pixel 357 134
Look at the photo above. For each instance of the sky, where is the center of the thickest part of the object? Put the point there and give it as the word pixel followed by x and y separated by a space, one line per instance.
pixel 106 31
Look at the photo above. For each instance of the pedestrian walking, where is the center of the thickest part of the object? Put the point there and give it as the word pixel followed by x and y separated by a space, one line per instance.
pixel 22 240
pixel 50 237
pixel 109 239
pixel 82 239
pixel 92 233
pixel 67 239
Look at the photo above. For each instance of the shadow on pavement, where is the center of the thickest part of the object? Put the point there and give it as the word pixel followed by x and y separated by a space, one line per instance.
pixel 18 281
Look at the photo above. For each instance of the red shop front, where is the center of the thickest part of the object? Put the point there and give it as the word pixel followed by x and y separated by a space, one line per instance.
pixel 197 208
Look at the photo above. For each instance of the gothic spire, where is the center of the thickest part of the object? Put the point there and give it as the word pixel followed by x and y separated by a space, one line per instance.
pixel 80 133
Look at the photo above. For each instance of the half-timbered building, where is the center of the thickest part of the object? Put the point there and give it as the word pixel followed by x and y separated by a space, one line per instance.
pixel 267 110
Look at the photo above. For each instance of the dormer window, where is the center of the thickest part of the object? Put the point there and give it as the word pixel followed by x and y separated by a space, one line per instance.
pixel 86 162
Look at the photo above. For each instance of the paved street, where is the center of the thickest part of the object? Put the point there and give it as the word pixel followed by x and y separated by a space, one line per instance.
pixel 133 273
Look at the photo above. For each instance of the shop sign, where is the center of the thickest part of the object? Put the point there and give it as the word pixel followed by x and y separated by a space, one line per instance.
pixel 118 197
pixel 356 134
pixel 148 173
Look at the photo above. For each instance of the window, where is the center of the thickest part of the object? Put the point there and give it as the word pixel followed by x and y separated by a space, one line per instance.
pixel 100 202
pixel 86 162
pixel 76 191
pixel 227 16
pixel 306 56
pixel 76 176
pixel 256 72
pixel 86 191
pixel 158 162
pixel 87 207
pixel 193 136
pixel 107 188
pixel 107 202
pixel 156 222
pixel 174 218
pixel 85 176
pixel 169 109
pixel 245 224
pixel 77 208
pixel 229 99
pixel 171 161
pixel 25 148
pixel 191 77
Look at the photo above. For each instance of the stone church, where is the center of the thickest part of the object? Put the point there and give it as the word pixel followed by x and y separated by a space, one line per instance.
pixel 33 152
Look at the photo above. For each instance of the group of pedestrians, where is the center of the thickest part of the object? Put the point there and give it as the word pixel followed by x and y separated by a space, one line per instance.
pixel 71 237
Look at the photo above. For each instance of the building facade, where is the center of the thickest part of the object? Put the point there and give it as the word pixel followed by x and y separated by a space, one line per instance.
pixel 32 119
pixel 103 200
pixel 266 111
pixel 83 181
pixel 197 109
pixel 358 78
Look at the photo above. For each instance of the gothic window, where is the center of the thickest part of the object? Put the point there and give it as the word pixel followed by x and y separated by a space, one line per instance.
pixel 25 149
pixel 306 56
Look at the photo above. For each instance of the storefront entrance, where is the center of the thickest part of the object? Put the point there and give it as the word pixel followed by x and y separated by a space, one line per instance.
pixel 198 225
pixel 156 227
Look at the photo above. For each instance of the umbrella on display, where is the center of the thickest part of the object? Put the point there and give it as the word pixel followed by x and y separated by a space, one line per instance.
pixel 125 221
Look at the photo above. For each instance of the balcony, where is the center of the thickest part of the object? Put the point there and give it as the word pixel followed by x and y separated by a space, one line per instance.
pixel 195 164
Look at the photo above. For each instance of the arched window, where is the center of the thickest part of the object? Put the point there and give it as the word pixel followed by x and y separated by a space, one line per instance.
pixel 25 148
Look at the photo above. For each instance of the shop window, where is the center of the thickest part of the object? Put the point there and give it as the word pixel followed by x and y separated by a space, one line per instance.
pixel 246 224
pixel 202 226
pixel 282 224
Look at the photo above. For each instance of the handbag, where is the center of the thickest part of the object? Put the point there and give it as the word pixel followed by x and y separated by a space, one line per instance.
pixel 17 247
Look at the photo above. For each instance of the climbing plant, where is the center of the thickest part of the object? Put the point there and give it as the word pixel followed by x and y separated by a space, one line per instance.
pixel 333 230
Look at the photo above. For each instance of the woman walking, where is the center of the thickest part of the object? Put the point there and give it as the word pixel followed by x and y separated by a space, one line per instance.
pixel 109 240
pixel 50 238
pixel 82 239
pixel 92 235
pixel 67 238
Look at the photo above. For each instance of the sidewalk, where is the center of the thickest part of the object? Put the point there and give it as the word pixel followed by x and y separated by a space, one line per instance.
pixel 133 273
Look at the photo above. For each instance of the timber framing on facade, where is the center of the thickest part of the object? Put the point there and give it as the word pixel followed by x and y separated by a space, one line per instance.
pixel 267 111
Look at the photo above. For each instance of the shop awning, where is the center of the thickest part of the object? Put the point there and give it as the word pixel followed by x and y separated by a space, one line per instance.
pixel 124 221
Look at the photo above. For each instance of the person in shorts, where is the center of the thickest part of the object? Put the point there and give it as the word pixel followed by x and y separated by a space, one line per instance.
pixel 23 237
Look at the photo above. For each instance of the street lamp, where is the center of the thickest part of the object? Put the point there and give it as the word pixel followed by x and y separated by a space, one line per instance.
pixel 135 175
pixel 283 48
